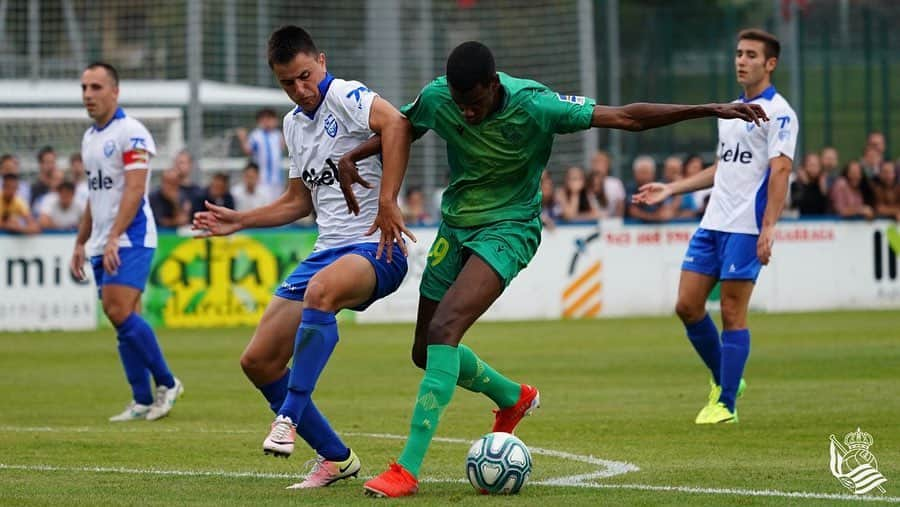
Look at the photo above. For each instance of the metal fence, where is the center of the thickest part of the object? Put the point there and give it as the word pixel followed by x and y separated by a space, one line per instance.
pixel 840 66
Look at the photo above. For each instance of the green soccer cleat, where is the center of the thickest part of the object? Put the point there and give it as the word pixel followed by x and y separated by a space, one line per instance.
pixel 714 392
pixel 717 414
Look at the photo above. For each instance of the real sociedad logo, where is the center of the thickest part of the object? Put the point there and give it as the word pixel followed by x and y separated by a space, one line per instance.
pixel 331 125
pixel 109 147
pixel 853 465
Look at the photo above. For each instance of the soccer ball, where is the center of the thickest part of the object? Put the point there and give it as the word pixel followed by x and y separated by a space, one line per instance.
pixel 498 463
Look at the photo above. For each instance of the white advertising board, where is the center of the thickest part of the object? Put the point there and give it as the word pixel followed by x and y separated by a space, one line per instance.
pixel 37 291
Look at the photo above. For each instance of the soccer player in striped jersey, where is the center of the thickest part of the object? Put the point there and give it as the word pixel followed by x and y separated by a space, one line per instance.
pixel 499 132
pixel 749 183
pixel 330 117
pixel 117 233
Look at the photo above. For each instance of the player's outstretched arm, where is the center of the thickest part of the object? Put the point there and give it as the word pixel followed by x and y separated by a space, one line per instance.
pixel 294 204
pixel 643 116
pixel 657 192
pixel 78 254
pixel 396 137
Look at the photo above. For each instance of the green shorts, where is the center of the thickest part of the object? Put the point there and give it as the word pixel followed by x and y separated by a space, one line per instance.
pixel 507 247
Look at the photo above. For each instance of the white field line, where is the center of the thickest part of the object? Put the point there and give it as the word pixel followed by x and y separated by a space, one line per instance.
pixel 611 468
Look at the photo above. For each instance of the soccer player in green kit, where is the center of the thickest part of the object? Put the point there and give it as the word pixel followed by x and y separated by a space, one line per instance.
pixel 499 132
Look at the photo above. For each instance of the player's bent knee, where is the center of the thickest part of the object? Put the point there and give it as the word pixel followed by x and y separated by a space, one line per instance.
pixel 116 312
pixel 318 297
pixel 442 332
pixel 688 311
pixel 257 368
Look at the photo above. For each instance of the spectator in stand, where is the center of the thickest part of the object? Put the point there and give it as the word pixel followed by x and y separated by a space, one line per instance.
pixel 644 170
pixel 171 207
pixel 414 209
pixel 847 194
pixel 265 147
pixel 184 165
pixel 871 161
pixel 60 210
pixel 14 213
pixel 9 164
pixel 830 164
pixel 249 193
pixel 79 177
pixel 550 210
pixel 47 170
pixel 56 179
pixel 809 192
pixel 886 189
pixel 607 190
pixel 576 203
pixel 673 170
pixel 693 164
pixel 876 140
pixel 216 193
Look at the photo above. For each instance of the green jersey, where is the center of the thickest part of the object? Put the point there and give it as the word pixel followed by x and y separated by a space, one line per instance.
pixel 495 166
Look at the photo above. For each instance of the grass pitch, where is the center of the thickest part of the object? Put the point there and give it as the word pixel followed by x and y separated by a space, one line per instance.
pixel 617 394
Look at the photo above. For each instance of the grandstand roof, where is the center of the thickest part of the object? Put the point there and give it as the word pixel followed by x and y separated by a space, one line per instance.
pixel 155 93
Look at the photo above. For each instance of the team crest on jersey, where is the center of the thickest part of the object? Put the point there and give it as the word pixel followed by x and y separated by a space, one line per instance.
pixel 511 133
pixel 573 99
pixel 109 147
pixel 331 125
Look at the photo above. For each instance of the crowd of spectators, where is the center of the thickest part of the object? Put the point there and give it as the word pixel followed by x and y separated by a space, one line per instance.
pixel 866 187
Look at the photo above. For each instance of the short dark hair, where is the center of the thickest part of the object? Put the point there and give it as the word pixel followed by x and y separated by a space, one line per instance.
pixel 113 73
pixel 286 42
pixel 771 46
pixel 221 177
pixel 43 151
pixel 75 157
pixel 251 166
pixel 264 112
pixel 469 64
pixel 66 185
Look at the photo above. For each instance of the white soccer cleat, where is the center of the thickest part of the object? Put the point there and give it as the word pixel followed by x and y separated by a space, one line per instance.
pixel 165 400
pixel 280 442
pixel 325 473
pixel 133 412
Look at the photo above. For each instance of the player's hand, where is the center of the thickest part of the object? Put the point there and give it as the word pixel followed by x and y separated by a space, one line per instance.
pixel 216 221
pixel 652 193
pixel 747 112
pixel 348 174
pixel 390 222
pixel 764 245
pixel 111 260
pixel 867 212
pixel 76 265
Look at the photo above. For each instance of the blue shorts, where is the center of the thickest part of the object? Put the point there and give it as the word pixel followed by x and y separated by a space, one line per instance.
pixel 133 272
pixel 723 255
pixel 388 275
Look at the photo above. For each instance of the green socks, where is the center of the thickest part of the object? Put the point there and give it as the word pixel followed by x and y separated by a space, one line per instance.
pixel 435 391
pixel 477 376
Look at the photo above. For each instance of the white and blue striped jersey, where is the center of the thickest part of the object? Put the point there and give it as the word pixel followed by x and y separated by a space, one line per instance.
pixel 740 190
pixel 108 152
pixel 266 151
pixel 317 141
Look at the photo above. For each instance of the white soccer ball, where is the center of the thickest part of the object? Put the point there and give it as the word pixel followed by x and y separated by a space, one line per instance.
pixel 498 463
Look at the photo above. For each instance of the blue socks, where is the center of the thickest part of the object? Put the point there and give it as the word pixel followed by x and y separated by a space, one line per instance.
pixel 735 351
pixel 140 352
pixel 705 338
pixel 276 392
pixel 315 341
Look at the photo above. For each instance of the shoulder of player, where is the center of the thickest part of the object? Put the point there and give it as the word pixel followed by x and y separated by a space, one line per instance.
pixel 346 93
pixel 780 105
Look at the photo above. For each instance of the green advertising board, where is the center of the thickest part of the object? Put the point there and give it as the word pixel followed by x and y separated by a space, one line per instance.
pixel 223 281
